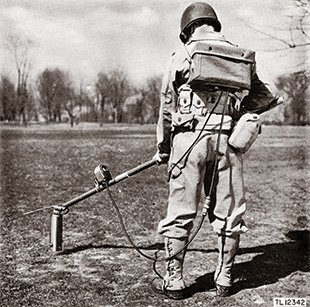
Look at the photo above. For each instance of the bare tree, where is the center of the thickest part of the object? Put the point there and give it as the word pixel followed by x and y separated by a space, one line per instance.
pixel 114 88
pixel 120 91
pixel 153 96
pixel 32 105
pixel 295 42
pixel 297 25
pixel 303 22
pixel 7 99
pixel 147 101
pixel 72 107
pixel 86 99
pixel 103 93
pixel 71 101
pixel 140 107
pixel 296 88
pixel 46 89
pixel 56 95
pixel 20 47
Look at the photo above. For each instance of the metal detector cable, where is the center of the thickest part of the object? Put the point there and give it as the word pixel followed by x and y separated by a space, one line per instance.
pixel 156 259
pixel 218 146
pixel 208 198
pixel 119 215
pixel 199 135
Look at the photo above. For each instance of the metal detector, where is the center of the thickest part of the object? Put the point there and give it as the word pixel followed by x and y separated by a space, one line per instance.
pixel 103 180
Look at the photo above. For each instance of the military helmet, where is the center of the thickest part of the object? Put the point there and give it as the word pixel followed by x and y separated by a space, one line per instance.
pixel 198 11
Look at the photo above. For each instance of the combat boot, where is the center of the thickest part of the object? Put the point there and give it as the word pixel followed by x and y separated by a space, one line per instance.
pixel 228 247
pixel 172 285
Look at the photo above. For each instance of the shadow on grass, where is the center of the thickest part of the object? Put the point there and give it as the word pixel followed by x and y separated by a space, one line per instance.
pixel 275 261
pixel 156 246
pixel 153 247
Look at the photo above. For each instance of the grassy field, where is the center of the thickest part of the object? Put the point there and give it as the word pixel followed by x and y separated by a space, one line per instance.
pixel 42 166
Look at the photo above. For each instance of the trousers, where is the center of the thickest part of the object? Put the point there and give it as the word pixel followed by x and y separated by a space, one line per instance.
pixel 192 175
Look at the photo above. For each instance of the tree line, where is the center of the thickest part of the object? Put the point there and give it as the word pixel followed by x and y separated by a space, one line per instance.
pixel 55 98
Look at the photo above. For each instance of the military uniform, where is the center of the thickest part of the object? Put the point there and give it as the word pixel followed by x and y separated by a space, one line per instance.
pixel 176 131
pixel 182 119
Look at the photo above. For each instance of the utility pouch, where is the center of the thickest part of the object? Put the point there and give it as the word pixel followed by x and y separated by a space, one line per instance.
pixel 185 99
pixel 218 65
pixel 183 120
pixel 245 132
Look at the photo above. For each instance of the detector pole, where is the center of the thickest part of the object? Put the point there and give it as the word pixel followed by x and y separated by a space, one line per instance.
pixel 103 180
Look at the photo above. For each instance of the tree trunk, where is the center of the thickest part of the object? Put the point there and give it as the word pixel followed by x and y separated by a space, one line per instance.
pixel 102 102
pixel 115 115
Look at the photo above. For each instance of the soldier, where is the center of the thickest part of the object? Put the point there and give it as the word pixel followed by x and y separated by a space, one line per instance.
pixel 195 122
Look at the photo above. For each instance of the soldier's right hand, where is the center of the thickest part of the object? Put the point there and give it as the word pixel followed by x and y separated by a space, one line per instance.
pixel 161 158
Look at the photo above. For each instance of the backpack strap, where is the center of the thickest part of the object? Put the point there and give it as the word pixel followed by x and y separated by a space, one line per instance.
pixel 189 55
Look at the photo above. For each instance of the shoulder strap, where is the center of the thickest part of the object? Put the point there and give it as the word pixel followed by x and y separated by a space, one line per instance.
pixel 189 56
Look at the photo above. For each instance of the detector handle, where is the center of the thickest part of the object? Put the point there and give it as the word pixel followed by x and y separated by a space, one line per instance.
pixel 111 182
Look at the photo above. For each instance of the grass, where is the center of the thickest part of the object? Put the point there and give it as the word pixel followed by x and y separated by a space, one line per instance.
pixel 42 166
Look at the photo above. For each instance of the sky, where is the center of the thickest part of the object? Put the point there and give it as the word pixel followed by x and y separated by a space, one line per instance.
pixel 138 36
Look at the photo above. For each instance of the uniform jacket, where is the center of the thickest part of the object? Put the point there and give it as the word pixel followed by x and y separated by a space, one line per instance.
pixel 177 74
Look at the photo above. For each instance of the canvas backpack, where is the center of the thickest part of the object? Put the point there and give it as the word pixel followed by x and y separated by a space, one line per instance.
pixel 217 65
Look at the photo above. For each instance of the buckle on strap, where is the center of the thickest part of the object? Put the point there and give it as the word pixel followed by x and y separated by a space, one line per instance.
pixel 185 99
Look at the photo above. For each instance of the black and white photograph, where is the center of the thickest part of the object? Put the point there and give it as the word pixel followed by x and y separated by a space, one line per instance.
pixel 154 153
